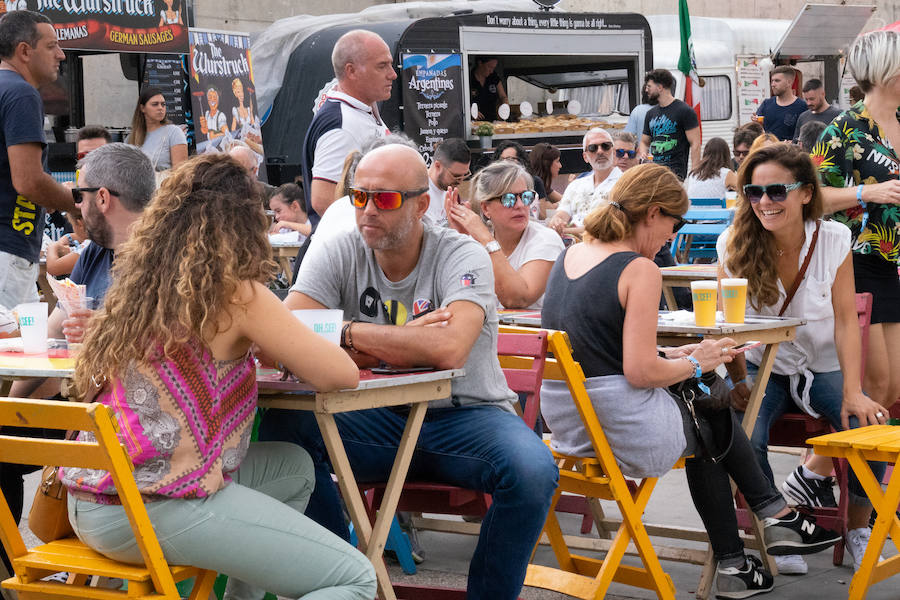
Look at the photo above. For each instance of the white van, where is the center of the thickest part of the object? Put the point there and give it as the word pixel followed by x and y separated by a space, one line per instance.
pixel 734 57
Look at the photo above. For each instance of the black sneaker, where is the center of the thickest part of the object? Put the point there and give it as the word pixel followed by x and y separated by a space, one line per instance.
pixel 797 534
pixel 747 581
pixel 807 491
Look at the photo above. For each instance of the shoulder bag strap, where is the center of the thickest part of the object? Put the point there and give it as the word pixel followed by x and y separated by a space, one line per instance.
pixel 802 273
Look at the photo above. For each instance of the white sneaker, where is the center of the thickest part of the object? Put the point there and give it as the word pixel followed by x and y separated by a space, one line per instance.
pixel 856 543
pixel 791 564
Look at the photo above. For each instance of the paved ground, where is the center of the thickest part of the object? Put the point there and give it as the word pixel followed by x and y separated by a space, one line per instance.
pixel 447 555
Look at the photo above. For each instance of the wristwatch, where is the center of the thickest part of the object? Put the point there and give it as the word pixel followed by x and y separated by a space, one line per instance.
pixel 492 246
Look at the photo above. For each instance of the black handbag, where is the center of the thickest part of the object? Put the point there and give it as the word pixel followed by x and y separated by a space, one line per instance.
pixel 707 402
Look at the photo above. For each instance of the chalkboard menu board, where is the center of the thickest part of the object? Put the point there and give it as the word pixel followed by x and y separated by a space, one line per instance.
pixel 432 99
pixel 167 73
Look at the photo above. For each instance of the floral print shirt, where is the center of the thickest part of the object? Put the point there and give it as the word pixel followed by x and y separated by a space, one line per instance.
pixel 854 150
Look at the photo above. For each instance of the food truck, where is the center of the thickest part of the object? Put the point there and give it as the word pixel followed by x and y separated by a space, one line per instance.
pixel 563 72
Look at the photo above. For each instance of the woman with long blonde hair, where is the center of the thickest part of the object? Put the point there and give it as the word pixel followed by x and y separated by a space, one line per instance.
pixel 777 229
pixel 170 352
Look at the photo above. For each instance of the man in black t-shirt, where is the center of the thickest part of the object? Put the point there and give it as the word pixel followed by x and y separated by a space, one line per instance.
pixel 671 129
pixel 29 58
pixel 819 109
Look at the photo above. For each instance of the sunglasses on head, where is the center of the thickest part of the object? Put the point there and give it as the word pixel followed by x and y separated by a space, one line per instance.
pixel 679 221
pixel 383 199
pixel 77 192
pixel 604 145
pixel 509 199
pixel 777 192
pixel 622 152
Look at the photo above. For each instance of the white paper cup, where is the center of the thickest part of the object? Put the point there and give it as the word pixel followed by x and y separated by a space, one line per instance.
pixel 33 326
pixel 324 321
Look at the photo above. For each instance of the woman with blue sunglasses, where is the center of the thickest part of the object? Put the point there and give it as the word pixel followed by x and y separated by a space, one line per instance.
pixel 777 231
pixel 522 251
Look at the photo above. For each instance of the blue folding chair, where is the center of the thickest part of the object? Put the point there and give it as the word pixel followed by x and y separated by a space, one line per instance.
pixel 720 202
pixel 713 215
pixel 696 240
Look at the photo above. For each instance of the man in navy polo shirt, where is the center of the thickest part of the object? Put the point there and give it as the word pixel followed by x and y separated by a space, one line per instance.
pixel 365 73
pixel 780 112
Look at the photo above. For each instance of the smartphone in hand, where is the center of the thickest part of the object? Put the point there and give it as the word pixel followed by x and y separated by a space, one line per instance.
pixel 746 346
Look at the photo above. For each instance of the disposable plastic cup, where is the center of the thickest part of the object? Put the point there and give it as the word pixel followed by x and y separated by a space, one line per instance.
pixel 704 295
pixel 33 326
pixel 68 306
pixel 325 322
pixel 734 299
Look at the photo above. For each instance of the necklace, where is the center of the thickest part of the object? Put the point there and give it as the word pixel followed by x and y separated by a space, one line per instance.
pixel 781 252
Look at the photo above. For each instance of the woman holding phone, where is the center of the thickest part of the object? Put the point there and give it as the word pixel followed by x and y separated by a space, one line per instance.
pixel 780 244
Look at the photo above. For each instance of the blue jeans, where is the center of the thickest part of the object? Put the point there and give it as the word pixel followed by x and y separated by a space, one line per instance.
pixel 481 447
pixel 826 397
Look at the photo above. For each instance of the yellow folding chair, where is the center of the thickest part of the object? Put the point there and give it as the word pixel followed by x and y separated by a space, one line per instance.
pixel 155 579
pixel 595 478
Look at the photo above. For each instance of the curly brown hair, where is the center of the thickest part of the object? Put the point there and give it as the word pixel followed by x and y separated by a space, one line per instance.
pixel 639 188
pixel 751 248
pixel 202 235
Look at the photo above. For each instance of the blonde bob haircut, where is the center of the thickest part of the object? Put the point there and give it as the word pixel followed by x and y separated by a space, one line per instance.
pixel 874 59
pixel 637 190
pixel 495 180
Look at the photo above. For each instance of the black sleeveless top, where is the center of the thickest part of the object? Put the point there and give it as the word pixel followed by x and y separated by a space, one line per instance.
pixel 588 309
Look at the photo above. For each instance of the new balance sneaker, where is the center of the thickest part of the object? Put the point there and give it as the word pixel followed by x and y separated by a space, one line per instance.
pixel 856 544
pixel 796 534
pixel 791 564
pixel 808 491
pixel 749 580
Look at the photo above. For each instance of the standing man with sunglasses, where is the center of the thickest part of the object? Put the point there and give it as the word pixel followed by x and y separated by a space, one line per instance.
pixel 418 295
pixel 586 193
pixel 29 58
pixel 671 129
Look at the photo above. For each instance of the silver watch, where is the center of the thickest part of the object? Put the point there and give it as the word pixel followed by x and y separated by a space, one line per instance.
pixel 492 246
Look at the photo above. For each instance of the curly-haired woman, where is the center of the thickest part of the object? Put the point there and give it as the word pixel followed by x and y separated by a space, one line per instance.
pixel 171 348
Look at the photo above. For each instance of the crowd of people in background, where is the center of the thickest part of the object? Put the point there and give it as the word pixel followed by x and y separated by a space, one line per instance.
pixel 381 229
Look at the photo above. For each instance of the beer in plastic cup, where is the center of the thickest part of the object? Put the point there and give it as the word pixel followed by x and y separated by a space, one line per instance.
pixel 326 322
pixel 68 306
pixel 730 199
pixel 33 326
pixel 734 299
pixel 704 294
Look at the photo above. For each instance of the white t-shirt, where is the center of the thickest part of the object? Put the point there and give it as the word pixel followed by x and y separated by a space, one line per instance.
pixel 339 218
pixel 814 347
pixel 714 187
pixel 435 212
pixel 537 243
pixel 582 196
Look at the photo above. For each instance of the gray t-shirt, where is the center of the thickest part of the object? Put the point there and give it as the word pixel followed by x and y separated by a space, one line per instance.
pixel 157 143
pixel 451 267
pixel 826 116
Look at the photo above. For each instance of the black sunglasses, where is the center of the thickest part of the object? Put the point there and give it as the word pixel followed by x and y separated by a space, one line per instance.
pixel 621 152
pixel 679 221
pixel 605 145
pixel 509 199
pixel 77 192
pixel 777 192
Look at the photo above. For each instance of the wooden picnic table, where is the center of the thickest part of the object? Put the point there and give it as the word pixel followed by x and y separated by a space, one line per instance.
pixel 283 253
pixel 373 391
pixel 682 276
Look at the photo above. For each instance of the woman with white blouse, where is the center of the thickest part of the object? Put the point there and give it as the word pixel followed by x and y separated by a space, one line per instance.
pixel 522 251
pixel 777 227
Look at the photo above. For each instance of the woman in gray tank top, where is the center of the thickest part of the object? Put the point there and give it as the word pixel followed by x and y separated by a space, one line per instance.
pixel 605 293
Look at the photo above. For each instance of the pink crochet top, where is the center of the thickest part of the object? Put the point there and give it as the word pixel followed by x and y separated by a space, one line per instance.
pixel 185 422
